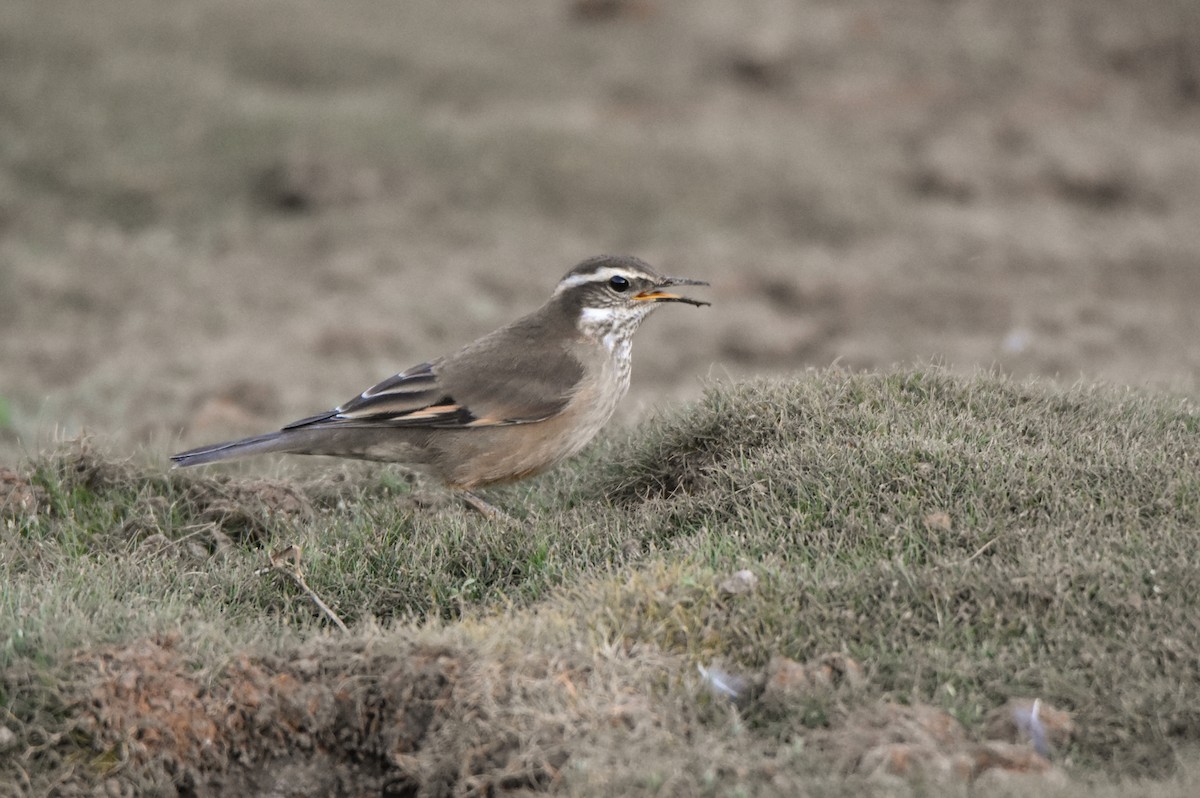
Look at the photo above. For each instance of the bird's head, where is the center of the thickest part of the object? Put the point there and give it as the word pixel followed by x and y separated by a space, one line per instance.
pixel 613 293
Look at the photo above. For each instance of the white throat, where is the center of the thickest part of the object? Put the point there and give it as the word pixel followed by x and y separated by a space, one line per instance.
pixel 613 327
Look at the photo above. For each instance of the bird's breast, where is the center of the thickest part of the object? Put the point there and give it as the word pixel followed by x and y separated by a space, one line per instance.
pixel 598 395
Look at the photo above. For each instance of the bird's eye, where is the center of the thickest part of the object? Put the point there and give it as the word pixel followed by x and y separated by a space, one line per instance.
pixel 618 283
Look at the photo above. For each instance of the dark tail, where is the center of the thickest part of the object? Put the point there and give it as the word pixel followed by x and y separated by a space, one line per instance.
pixel 259 444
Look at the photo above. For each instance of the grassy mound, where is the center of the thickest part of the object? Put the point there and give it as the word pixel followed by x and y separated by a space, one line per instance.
pixel 793 585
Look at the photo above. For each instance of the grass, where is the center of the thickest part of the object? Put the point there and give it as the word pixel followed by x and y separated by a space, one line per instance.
pixel 966 539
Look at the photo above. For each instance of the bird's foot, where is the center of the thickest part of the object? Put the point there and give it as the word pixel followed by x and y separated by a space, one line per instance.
pixel 484 508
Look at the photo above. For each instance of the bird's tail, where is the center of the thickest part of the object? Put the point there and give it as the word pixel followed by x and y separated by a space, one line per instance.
pixel 245 447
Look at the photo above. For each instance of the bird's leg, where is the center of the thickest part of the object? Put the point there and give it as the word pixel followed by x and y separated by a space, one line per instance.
pixel 487 510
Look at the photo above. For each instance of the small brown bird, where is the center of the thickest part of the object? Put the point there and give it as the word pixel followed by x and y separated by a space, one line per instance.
pixel 504 407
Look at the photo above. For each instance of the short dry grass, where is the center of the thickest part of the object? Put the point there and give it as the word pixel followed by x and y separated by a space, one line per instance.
pixel 967 540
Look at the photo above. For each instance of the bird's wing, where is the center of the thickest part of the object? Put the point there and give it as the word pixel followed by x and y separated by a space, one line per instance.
pixel 493 391
pixel 412 398
pixel 504 384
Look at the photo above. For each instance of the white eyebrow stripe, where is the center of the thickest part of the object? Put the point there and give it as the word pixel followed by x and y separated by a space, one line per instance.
pixel 599 276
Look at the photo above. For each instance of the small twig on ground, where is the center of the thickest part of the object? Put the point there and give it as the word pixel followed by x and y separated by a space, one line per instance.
pixel 286 561
pixel 979 551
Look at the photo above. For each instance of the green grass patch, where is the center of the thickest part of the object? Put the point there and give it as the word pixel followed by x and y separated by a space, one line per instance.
pixel 967 540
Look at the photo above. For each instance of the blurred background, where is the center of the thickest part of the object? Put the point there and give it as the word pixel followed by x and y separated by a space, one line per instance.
pixel 218 215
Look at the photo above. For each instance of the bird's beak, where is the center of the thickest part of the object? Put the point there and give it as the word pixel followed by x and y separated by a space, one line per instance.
pixel 656 294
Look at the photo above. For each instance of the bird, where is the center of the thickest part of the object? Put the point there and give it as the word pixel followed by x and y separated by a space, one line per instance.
pixel 502 408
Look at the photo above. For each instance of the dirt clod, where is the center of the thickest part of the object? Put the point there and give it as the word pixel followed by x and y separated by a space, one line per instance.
pixel 18 496
pixel 743 581
pixel 923 743
pixel 788 679
pixel 1028 721
pixel 338 719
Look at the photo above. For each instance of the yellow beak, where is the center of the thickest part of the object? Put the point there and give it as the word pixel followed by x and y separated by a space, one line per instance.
pixel 656 294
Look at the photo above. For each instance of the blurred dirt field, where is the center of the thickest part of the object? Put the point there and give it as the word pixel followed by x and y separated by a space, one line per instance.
pixel 218 216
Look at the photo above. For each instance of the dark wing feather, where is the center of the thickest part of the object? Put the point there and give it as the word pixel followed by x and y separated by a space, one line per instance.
pixel 410 398
pixel 411 391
